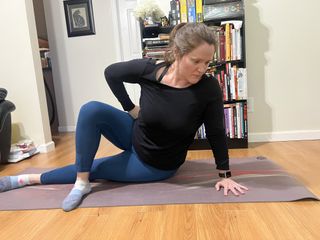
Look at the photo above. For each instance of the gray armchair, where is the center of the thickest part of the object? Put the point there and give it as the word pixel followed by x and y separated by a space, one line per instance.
pixel 6 107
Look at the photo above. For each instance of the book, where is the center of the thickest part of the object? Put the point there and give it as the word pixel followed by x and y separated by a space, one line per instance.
pixel 164 36
pixel 222 48
pixel 191 4
pixel 238 119
pixel 199 11
pixel 228 41
pixel 232 82
pixel 175 12
pixel 245 120
pixel 156 42
pixel 235 80
pixel 226 121
pixel 183 11
pixel 242 83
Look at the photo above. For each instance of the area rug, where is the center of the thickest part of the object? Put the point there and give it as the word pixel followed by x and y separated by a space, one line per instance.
pixel 193 183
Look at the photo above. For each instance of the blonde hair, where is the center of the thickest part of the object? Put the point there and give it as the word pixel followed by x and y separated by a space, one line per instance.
pixel 187 36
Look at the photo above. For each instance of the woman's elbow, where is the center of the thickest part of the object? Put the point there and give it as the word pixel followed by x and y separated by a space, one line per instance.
pixel 108 72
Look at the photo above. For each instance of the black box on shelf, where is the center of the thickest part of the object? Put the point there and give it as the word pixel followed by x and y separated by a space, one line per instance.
pixel 223 10
pixel 151 31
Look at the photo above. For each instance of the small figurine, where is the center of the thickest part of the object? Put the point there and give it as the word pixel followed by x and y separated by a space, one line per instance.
pixel 164 21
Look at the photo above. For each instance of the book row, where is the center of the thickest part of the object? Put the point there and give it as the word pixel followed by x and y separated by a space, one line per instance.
pixel 235 118
pixel 186 11
pixel 228 41
pixel 233 82
pixel 155 48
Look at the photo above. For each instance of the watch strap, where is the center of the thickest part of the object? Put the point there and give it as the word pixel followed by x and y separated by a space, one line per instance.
pixel 226 174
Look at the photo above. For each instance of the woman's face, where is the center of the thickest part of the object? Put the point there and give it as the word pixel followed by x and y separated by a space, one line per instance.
pixel 194 64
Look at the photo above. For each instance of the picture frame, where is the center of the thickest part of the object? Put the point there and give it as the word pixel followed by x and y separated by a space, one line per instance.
pixel 79 17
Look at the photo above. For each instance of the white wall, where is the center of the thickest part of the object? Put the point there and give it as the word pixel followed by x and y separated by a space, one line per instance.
pixel 165 6
pixel 21 74
pixel 282 42
pixel 78 62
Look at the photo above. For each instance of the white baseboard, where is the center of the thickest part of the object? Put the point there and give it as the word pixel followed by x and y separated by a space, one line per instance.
pixel 284 136
pixel 67 129
pixel 47 147
pixel 257 137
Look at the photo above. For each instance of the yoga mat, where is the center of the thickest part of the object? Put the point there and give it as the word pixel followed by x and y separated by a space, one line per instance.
pixel 193 183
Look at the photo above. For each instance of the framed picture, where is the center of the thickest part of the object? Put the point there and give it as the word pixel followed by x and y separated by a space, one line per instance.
pixel 79 17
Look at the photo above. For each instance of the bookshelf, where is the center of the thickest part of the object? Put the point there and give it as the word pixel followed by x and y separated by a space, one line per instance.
pixel 155 40
pixel 226 18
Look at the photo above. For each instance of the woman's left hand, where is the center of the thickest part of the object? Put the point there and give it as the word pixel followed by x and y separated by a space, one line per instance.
pixel 229 184
pixel 134 113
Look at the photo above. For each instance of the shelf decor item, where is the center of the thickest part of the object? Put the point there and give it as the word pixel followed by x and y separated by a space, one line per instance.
pixel 79 17
pixel 149 12
pixel 227 10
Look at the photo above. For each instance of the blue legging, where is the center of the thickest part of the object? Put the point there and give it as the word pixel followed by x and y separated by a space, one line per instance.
pixel 94 119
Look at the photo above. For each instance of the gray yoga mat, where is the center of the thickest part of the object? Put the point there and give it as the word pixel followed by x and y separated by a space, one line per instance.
pixel 193 183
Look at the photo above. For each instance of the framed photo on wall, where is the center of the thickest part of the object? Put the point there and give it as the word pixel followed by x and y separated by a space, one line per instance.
pixel 79 17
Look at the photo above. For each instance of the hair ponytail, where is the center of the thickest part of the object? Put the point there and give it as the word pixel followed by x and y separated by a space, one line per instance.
pixel 185 37
pixel 169 55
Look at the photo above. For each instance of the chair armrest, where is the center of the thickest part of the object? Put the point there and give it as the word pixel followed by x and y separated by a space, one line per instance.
pixel 5 108
pixel 3 94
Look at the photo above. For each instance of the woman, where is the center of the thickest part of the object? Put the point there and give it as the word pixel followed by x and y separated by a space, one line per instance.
pixel 176 98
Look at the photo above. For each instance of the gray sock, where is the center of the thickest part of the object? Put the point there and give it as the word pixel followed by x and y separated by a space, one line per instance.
pixel 5 184
pixel 12 182
pixel 75 197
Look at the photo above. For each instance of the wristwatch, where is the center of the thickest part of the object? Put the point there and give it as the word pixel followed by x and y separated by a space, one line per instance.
pixel 225 174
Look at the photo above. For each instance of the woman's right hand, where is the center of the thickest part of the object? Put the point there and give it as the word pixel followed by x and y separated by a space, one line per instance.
pixel 229 185
pixel 134 113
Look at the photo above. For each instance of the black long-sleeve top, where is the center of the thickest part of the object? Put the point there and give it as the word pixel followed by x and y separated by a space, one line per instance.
pixel 169 117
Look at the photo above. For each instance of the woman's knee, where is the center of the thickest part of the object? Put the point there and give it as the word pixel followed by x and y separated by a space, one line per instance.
pixel 92 109
pixel 91 106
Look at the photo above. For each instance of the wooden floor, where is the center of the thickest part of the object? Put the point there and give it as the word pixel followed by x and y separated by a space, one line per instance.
pixel 289 220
